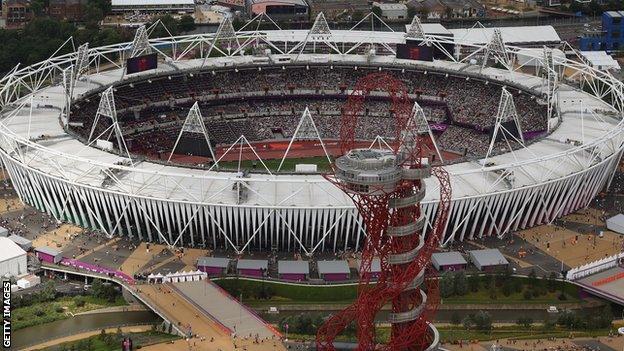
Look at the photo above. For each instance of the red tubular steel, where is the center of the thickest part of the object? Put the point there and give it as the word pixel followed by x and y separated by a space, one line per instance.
pixel 377 216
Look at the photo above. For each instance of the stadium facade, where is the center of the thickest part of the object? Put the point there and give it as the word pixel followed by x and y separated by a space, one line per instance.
pixel 58 174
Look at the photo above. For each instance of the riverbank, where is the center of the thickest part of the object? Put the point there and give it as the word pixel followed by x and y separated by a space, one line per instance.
pixel 62 308
pixel 80 336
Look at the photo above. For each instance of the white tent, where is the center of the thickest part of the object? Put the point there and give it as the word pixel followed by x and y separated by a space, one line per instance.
pixel 616 223
pixel 12 258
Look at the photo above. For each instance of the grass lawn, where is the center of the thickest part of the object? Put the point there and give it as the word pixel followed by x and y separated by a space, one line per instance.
pixel 308 295
pixel 46 312
pixel 272 165
pixel 113 341
pixel 455 334
pixel 287 294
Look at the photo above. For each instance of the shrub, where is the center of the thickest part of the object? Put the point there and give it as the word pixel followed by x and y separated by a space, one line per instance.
pixel 79 301
pixel 59 309
pixel 528 294
pixel 39 312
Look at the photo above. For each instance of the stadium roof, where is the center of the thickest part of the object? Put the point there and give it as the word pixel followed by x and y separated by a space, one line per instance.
pixel 293 267
pixel 9 249
pixel 333 267
pixel 48 250
pixel 511 35
pixel 432 29
pixel 151 2
pixel 488 257
pixel 448 258
pixel 252 264
pixel 220 262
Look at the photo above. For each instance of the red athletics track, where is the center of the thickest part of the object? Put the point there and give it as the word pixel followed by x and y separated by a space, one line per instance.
pixel 274 149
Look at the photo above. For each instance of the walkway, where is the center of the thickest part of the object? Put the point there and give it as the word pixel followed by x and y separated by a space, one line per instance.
pixel 227 310
pixel 611 289
pixel 210 334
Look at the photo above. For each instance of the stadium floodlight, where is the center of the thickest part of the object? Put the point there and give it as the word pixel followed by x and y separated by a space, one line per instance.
pixel 416 30
pixel 107 109
pixel 552 86
pixel 140 44
pixel 417 126
pixel 194 123
pixel 506 113
pixel 306 130
pixel 496 49
pixel 319 33
pixel 82 60
pixel 225 33
pixel 68 89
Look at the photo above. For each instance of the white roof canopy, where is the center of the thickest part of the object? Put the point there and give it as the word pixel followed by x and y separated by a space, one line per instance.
pixel 600 60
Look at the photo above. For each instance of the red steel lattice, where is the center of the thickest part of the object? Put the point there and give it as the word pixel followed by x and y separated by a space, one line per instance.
pixel 394 280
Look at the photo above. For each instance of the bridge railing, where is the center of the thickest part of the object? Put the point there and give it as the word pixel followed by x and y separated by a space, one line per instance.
pixel 594 267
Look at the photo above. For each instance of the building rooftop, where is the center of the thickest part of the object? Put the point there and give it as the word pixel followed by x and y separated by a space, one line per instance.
pixel 151 2
pixel 48 250
pixel 9 249
pixel 293 267
pixel 448 258
pixel 252 264
pixel 511 35
pixel 333 267
pixel 375 265
pixel 389 6
pixel 220 262
pixel 488 257
pixel 20 240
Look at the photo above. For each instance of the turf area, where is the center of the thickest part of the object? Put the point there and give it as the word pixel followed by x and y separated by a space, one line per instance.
pixel 273 165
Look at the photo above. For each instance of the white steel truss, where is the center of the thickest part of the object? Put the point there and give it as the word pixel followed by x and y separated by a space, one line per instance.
pixel 68 82
pixel 306 130
pixel 319 33
pixel 107 109
pixel 418 125
pixel 497 50
pixel 140 44
pixel 506 112
pixel 552 85
pixel 225 34
pixel 82 60
pixel 415 30
pixel 194 123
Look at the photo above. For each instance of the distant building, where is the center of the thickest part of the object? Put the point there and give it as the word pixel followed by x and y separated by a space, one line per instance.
pixel 233 4
pixel 213 265
pixel 16 13
pixel 68 10
pixel 280 10
pixel 333 270
pixel 610 38
pixel 392 11
pixel 435 9
pixel 153 6
pixel 254 268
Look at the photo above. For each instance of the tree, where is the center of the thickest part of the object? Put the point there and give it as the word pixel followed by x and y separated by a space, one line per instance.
pixel 474 283
pixel 411 12
pixel 456 318
pixel 48 293
pixel 552 282
pixel 525 322
pixel 533 281
pixel 187 23
pixel 483 321
pixel 357 16
pixel 447 285
pixel 460 284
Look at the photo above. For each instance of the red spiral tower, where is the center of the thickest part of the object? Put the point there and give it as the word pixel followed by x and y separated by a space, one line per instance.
pixel 387 187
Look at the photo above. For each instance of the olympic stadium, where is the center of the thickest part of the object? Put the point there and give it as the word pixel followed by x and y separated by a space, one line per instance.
pixel 178 147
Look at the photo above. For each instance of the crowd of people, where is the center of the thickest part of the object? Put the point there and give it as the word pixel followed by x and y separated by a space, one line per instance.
pixel 268 103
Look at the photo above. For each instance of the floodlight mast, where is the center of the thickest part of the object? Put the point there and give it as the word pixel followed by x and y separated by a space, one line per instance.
pixel 386 187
